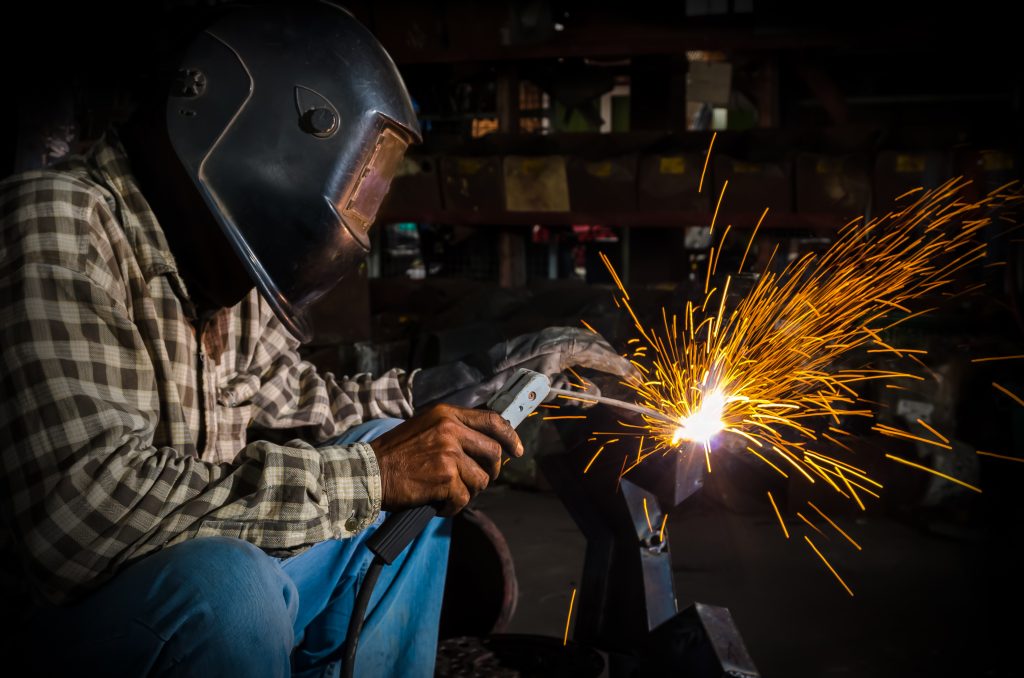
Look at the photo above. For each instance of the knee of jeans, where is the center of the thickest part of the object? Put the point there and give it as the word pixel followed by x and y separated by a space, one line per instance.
pixel 231 593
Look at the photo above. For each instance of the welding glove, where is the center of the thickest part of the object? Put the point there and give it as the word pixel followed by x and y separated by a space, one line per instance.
pixel 472 381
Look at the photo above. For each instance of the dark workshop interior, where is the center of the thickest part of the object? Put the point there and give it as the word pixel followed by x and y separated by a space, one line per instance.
pixel 557 133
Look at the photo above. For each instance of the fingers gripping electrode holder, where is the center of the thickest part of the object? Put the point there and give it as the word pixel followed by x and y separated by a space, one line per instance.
pixel 516 400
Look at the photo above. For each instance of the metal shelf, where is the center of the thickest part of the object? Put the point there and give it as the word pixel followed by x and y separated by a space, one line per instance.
pixel 739 220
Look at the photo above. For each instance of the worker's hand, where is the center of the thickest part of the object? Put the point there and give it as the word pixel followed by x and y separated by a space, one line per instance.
pixel 442 456
pixel 551 351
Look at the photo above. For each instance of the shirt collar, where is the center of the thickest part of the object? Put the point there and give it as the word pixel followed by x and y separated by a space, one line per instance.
pixel 109 160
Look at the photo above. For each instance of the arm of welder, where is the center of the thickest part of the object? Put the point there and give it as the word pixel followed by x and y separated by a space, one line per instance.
pixel 84 488
pixel 472 381
pixel 294 394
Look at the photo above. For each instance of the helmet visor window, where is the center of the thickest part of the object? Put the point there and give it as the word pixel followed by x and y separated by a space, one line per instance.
pixel 372 183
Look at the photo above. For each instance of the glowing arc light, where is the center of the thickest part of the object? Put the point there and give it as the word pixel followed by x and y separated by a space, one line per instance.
pixel 705 423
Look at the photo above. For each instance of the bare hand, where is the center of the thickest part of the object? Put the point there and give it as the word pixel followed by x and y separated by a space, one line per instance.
pixel 442 456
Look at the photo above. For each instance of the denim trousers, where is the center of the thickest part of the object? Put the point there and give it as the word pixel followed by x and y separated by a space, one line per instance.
pixel 219 606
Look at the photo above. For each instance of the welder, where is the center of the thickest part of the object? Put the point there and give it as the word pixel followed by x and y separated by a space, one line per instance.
pixel 181 492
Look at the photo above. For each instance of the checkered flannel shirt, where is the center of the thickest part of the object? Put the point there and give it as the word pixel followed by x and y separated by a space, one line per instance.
pixel 120 433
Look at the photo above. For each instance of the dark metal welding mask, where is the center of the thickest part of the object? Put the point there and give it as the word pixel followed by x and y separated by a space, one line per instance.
pixel 291 121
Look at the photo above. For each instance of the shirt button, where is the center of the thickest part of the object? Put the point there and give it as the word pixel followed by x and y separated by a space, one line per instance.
pixel 351 524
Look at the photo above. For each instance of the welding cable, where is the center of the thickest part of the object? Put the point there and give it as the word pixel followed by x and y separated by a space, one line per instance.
pixel 355 623
pixel 386 544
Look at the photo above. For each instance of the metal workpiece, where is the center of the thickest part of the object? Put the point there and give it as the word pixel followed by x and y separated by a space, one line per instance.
pixel 702 641
pixel 626 601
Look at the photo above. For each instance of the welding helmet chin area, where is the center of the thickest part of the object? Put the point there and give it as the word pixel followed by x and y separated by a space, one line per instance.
pixel 291 122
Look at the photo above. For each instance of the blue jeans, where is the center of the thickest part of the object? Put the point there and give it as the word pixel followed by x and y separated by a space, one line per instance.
pixel 218 606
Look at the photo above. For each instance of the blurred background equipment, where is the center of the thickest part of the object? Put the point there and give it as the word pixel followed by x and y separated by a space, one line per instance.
pixel 558 130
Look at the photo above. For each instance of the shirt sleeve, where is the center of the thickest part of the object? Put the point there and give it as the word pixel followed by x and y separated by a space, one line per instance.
pixel 83 489
pixel 294 395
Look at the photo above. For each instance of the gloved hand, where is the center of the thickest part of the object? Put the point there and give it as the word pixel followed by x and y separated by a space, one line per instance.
pixel 471 382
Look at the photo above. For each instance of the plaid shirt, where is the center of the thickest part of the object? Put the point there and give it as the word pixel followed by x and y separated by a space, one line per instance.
pixel 121 429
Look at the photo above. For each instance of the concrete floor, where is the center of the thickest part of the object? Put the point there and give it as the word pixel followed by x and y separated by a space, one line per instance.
pixel 924 605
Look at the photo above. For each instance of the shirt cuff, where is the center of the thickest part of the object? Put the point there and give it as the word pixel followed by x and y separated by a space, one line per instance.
pixel 352 484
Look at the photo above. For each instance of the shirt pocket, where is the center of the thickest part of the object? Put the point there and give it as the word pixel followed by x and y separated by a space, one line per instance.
pixel 234 413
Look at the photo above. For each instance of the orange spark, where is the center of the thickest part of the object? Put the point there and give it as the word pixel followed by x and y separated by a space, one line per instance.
pixel 568 617
pixel 809 523
pixel 933 431
pixel 1009 393
pixel 707 157
pixel 837 528
pixel 934 472
pixel 751 241
pixel 1001 357
pixel 777 513
pixel 999 456
pixel 828 565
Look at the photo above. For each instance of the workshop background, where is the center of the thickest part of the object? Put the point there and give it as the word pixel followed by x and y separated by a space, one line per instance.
pixel 559 130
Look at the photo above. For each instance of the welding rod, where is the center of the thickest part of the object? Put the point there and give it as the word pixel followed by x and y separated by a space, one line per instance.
pixel 612 402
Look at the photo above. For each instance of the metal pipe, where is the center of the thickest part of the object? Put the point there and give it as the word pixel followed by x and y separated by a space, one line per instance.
pixel 612 402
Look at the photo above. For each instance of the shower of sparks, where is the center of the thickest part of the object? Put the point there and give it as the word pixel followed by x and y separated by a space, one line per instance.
pixel 756 374
pixel 762 370
pixel 568 617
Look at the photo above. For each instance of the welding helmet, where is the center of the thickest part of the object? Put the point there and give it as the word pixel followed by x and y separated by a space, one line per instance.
pixel 291 121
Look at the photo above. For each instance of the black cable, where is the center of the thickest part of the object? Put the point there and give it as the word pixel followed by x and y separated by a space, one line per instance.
pixel 386 544
pixel 355 623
